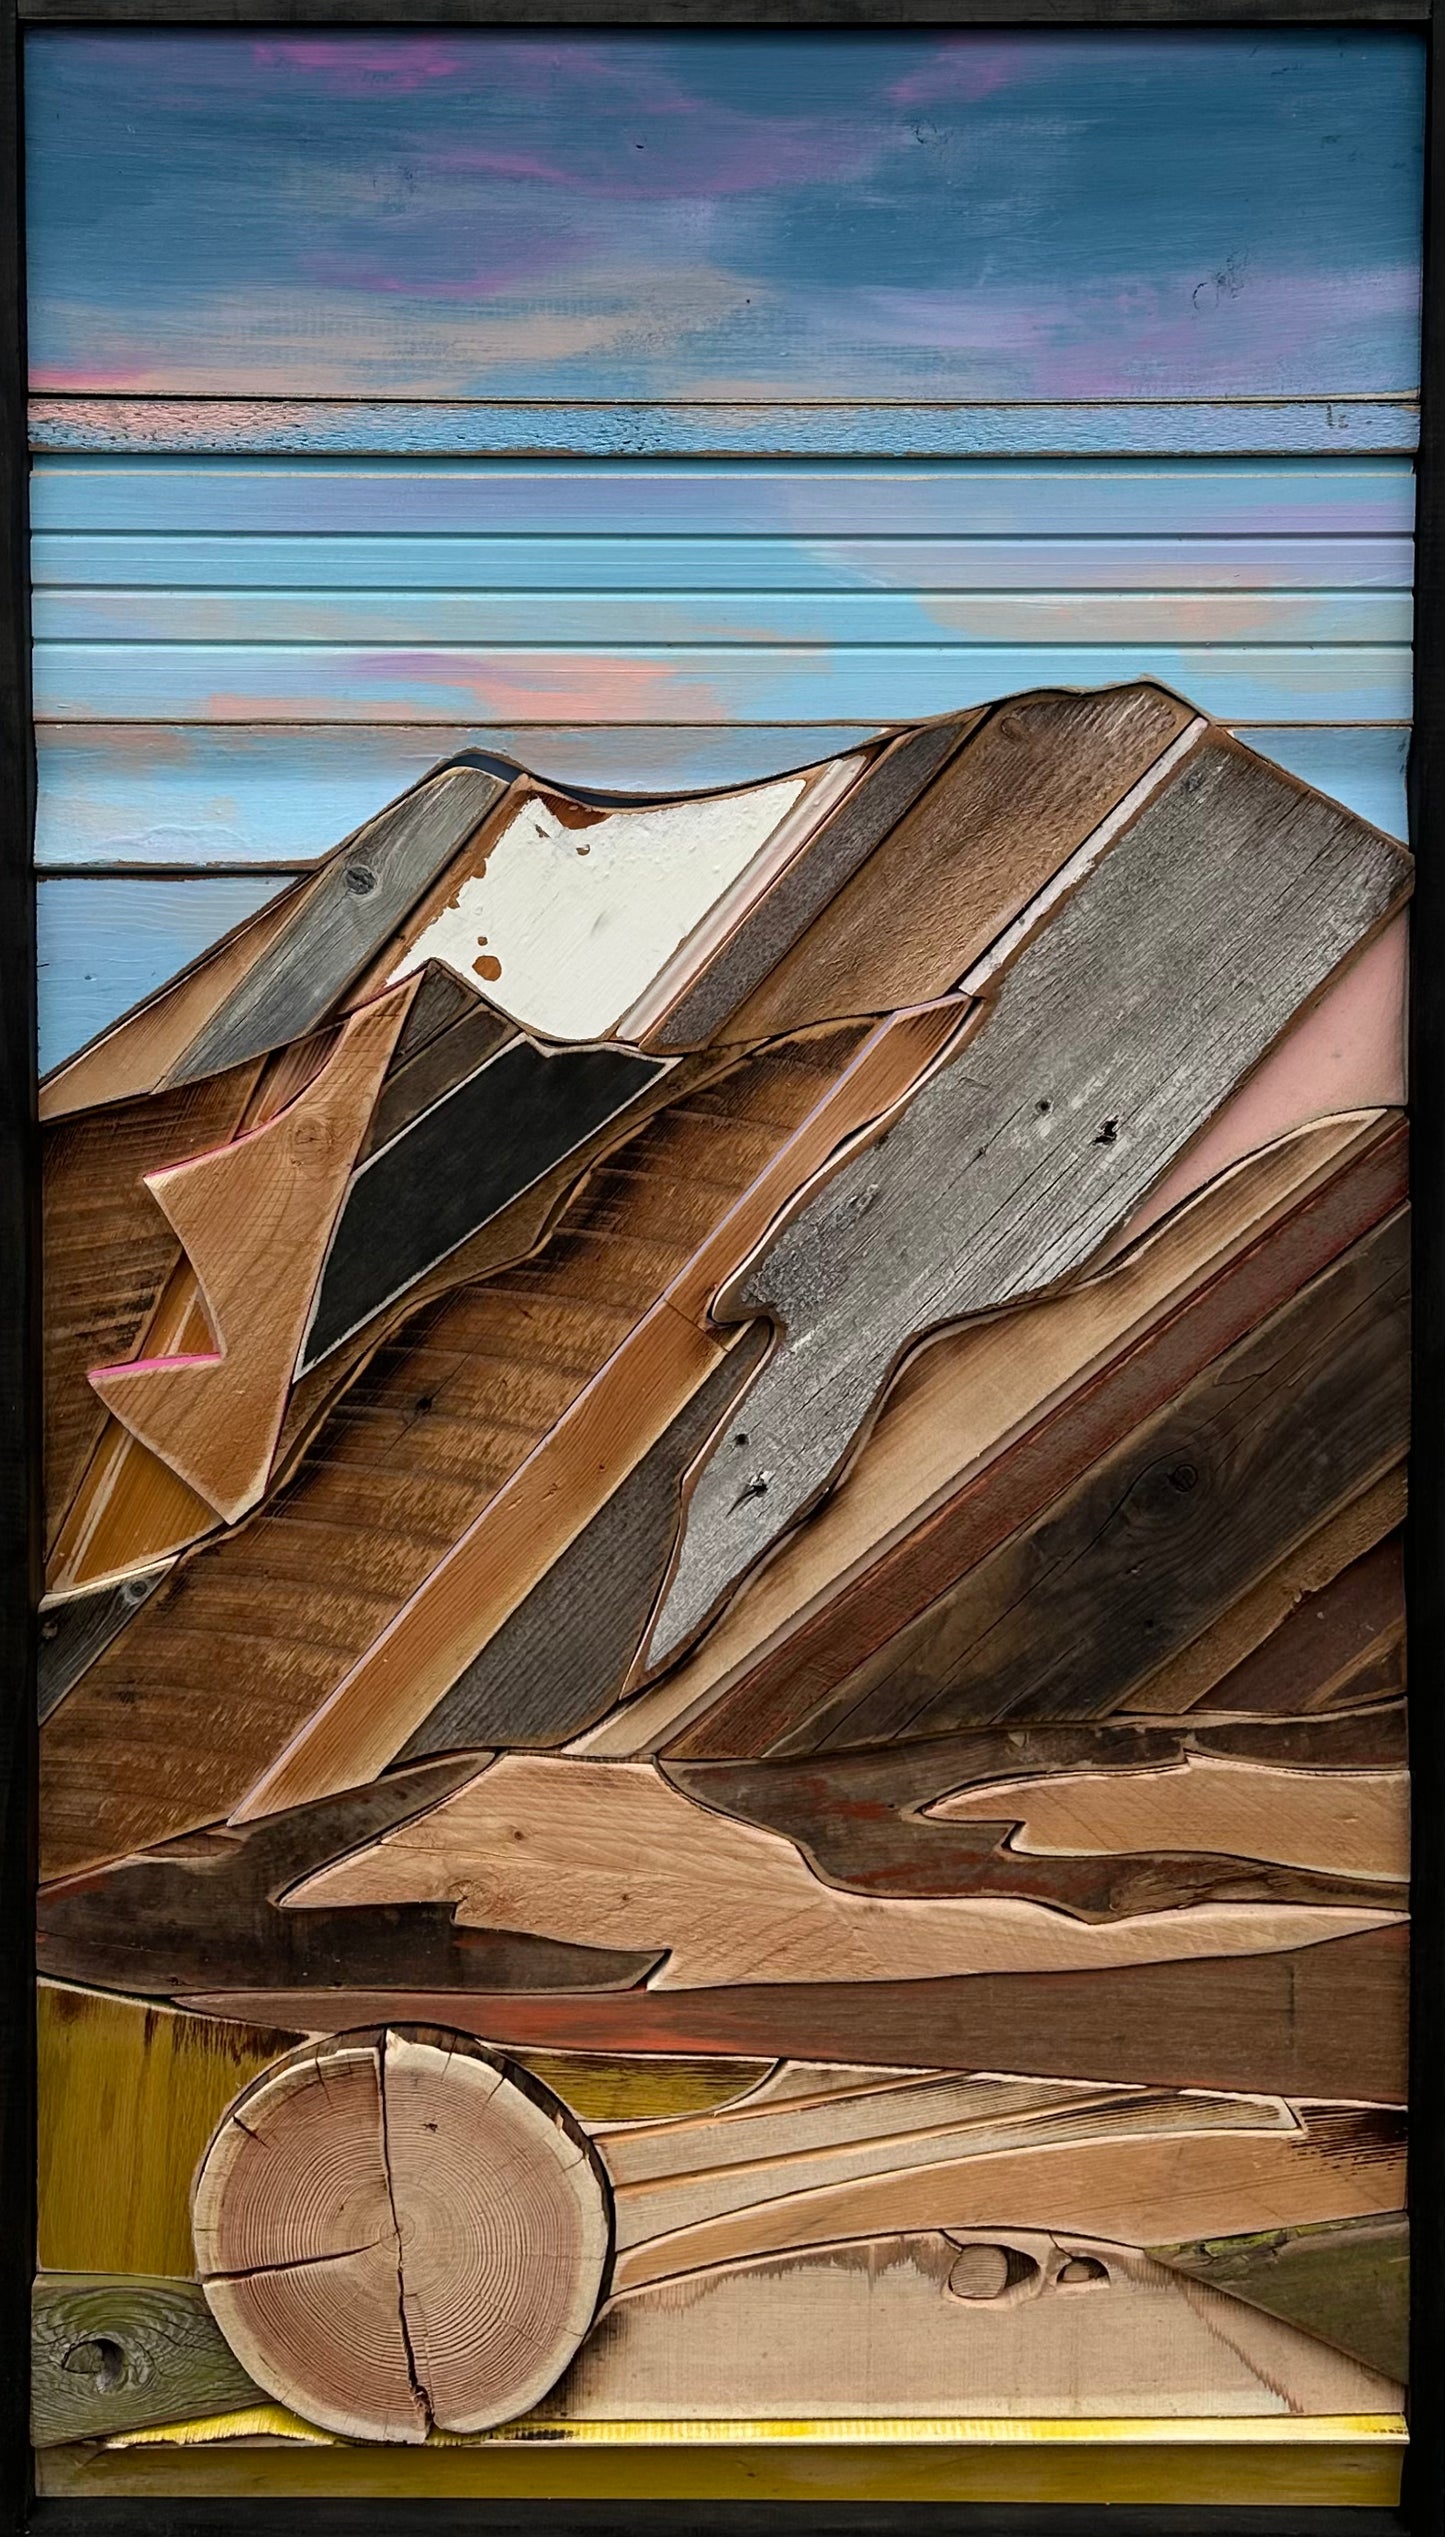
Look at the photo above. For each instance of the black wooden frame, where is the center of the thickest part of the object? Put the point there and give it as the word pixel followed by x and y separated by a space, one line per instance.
pixel 1422 2511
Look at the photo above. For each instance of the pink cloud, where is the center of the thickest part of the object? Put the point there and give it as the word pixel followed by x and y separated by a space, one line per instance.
pixel 962 70
pixel 348 68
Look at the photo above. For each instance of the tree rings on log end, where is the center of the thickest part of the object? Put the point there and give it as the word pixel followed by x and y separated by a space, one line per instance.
pixel 397 2229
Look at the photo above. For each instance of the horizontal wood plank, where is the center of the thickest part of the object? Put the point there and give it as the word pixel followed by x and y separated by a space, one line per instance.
pixel 774 681
pixel 840 618
pixel 1242 498
pixel 1248 427
pixel 161 559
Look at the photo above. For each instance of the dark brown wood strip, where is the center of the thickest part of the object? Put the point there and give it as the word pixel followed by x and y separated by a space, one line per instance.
pixel 1325 2021
pixel 857 1816
pixel 442 1415
pixel 204 1909
pixel 1029 785
pixel 1162 1534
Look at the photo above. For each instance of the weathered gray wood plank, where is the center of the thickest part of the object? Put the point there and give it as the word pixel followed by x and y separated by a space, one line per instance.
pixel 1114 1035
pixel 73 1634
pixel 113 2352
pixel 342 919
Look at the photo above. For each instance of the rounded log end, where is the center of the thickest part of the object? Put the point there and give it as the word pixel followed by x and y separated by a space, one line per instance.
pixel 398 2230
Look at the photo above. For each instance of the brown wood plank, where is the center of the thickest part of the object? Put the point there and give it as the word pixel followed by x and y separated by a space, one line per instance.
pixel 1106 1045
pixel 1337 2165
pixel 744 964
pixel 438 1420
pixel 1030 783
pixel 1311 2022
pixel 560 1661
pixel 1138 1335
pixel 1162 1534
pixel 656 1359
pixel 1342 1644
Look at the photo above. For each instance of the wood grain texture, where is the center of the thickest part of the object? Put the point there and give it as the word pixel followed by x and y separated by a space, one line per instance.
pixel 673 2176
pixel 609 1852
pixel 1348 1823
pixel 1334 2166
pixel 1340 1645
pixel 873 1821
pixel 1347 2281
pixel 205 1909
pixel 983 1426
pixel 1075 1091
pixel 72 1633
pixel 562 1659
pixel 885 2327
pixel 113 2352
pixel 800 895
pixel 1312 2022
pixel 109 1251
pixel 655 1357
pixel 1359 1527
pixel 1030 782
pixel 339 920
pixel 1275 1437
pixel 456 1167
pixel 513 1236
pixel 129 2096
pixel 447 1035
pixel 397 2231
pixel 445 1412
pixel 255 1217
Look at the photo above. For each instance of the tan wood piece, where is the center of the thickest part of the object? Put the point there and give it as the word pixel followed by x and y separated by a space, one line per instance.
pixel 610 1853
pixel 255 1217
pixel 1353 1822
pixel 1023 2324
pixel 399 2230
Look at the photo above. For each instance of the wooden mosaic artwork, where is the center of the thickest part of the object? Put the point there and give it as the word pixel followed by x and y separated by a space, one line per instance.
pixel 722 1669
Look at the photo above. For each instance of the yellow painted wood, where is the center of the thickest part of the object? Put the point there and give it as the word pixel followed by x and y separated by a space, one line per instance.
pixel 277 2422
pixel 618 2088
pixel 1279 2468
pixel 129 2096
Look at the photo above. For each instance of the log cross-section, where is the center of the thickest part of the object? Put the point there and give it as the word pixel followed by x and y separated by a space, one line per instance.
pixel 397 2231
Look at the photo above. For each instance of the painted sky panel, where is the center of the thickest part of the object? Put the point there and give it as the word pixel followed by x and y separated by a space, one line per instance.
pixel 725 216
